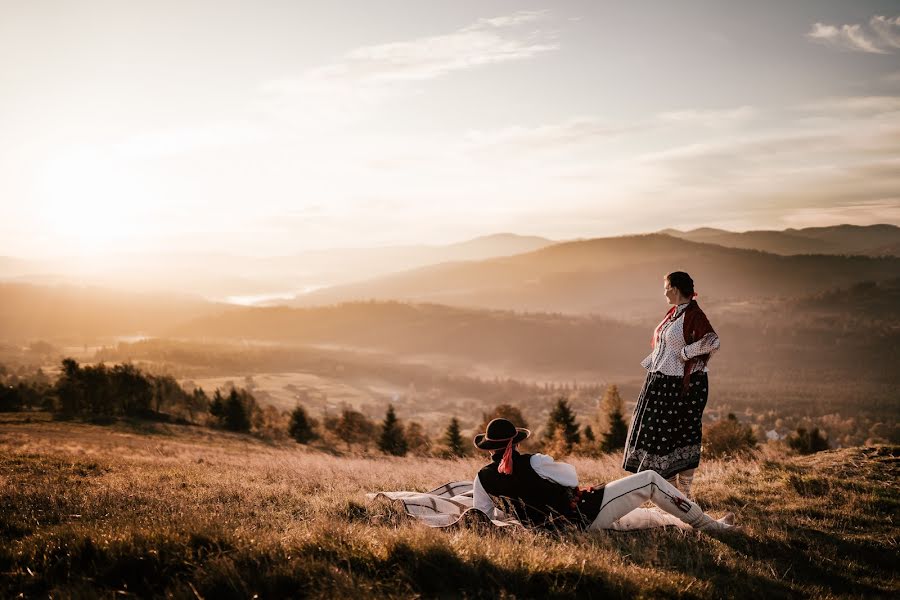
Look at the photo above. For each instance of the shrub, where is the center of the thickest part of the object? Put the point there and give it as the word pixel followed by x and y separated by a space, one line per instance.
pixel 728 437
pixel 354 428
pixel 504 411
pixel 808 442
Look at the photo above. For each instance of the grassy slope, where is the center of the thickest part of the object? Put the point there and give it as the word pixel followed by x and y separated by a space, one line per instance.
pixel 153 510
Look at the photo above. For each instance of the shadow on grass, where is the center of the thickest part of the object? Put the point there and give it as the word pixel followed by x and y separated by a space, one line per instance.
pixel 802 559
pixel 207 565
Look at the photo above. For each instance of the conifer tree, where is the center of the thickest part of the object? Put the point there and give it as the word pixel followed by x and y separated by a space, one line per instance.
pixel 453 439
pixel 392 440
pixel 616 434
pixel 302 427
pixel 589 436
pixel 563 418
pixel 235 417
pixel 217 406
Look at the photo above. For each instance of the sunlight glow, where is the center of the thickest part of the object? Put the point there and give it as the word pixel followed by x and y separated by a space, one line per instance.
pixel 90 202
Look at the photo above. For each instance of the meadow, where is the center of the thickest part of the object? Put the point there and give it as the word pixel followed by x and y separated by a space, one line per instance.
pixel 148 509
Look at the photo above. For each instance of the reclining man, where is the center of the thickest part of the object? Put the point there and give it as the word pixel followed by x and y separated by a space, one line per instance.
pixel 541 492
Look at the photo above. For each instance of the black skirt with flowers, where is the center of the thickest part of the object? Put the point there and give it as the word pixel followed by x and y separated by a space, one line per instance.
pixel 666 427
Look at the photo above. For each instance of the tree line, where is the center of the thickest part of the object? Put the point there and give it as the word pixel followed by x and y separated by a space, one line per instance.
pixel 123 390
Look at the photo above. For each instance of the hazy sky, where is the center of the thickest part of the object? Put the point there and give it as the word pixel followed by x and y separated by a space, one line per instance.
pixel 271 127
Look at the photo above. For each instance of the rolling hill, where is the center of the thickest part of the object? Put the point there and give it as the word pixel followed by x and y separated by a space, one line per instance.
pixel 619 277
pixel 871 240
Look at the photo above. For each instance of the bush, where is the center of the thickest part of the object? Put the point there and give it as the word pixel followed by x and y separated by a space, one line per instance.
pixel 808 442
pixel 728 437
pixel 355 428
pixel 504 411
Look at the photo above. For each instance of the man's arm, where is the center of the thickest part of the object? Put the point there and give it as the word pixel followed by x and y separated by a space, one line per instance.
pixel 561 473
pixel 481 500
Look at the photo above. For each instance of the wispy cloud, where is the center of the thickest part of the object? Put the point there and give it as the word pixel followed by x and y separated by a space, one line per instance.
pixel 888 29
pixel 840 153
pixel 573 131
pixel 882 31
pixel 709 118
pixel 369 75
pixel 855 104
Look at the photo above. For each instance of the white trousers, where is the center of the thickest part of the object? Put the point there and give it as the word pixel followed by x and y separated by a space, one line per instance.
pixel 622 500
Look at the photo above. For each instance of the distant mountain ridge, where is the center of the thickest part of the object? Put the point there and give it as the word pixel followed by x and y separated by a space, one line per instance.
pixel 220 276
pixel 620 277
pixel 871 240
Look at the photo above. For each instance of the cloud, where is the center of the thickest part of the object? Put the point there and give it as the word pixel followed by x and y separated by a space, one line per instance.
pixel 884 31
pixel 845 156
pixel 854 104
pixel 574 131
pixel 368 76
pixel 488 41
pixel 709 118
pixel 888 29
pixel 524 16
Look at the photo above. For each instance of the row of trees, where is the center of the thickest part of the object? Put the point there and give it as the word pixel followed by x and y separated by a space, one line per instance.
pixel 562 435
pixel 124 390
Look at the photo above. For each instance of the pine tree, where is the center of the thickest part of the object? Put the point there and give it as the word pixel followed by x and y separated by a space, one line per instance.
pixel 217 406
pixel 302 427
pixel 392 440
pixel 616 434
pixel 563 418
pixel 589 434
pixel 236 417
pixel 453 439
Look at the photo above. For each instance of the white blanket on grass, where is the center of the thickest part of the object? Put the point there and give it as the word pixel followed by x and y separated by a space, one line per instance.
pixel 451 504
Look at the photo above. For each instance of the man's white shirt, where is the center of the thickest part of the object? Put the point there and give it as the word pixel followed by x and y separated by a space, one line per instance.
pixel 543 465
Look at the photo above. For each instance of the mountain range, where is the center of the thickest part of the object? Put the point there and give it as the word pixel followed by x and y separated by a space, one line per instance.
pixel 620 277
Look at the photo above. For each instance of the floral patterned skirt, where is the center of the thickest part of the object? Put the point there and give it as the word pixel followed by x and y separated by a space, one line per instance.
pixel 666 429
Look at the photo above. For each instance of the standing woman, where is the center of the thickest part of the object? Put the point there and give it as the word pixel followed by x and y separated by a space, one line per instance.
pixel 666 428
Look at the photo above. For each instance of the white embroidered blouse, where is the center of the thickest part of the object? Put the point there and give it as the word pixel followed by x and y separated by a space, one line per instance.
pixel 670 353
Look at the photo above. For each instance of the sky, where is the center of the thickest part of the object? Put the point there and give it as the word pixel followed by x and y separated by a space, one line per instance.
pixel 273 127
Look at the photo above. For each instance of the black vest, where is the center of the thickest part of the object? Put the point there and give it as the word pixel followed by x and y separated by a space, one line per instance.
pixel 535 501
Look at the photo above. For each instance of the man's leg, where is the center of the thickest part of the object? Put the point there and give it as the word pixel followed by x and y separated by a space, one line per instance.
pixel 624 495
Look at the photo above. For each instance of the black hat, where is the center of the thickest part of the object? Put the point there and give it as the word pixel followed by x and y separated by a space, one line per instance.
pixel 498 434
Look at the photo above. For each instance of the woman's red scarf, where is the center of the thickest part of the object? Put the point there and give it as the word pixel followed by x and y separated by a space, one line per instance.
pixel 696 325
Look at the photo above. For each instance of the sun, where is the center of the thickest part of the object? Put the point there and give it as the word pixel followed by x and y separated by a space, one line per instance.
pixel 91 203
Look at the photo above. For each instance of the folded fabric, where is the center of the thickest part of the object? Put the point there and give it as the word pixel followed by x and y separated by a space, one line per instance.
pixel 450 505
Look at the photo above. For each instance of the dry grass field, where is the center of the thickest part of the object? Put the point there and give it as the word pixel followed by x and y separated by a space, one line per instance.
pixel 133 509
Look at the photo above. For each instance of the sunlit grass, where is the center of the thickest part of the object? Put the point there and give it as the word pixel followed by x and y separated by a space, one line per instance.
pixel 187 512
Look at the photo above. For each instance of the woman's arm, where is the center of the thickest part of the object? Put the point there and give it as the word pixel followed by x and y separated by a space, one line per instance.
pixel 708 344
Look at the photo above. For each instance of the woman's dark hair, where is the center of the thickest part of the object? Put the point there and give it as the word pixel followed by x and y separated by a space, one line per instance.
pixel 682 282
